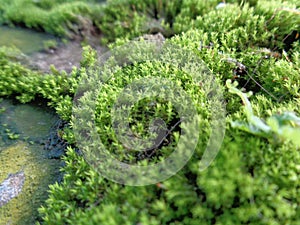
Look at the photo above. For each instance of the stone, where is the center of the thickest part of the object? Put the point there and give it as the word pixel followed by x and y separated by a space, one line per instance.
pixel 11 187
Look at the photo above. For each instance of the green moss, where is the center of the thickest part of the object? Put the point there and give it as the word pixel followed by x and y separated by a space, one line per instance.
pixel 253 180
pixel 56 17
pixel 26 85
pixel 245 184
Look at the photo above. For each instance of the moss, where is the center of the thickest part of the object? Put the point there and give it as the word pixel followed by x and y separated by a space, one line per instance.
pixel 253 180
pixel 55 17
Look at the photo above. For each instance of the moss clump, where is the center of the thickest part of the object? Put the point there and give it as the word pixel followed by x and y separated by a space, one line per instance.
pixel 16 80
pixel 62 18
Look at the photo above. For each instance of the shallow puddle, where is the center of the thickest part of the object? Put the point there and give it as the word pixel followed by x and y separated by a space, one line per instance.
pixel 28 41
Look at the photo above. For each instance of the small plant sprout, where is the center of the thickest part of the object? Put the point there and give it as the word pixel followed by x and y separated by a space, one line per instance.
pixel 285 126
pixel 2 109
pixel 11 135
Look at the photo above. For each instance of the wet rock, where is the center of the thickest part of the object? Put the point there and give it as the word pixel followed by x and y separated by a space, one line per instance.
pixel 11 187
pixel 55 145
pixel 27 40
pixel 57 152
pixel 33 123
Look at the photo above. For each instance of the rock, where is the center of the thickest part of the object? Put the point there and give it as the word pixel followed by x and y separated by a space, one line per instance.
pixel 11 187
pixel 159 38
pixel 65 57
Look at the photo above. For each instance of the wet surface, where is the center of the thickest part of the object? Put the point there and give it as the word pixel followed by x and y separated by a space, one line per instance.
pixel 26 170
pixel 41 55
pixel 26 40
pixel 30 122
pixel 11 187
pixel 30 147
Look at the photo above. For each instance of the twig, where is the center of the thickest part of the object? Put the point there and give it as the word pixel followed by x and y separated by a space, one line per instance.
pixel 154 148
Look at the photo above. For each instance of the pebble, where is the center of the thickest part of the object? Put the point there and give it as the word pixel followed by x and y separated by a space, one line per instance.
pixel 11 187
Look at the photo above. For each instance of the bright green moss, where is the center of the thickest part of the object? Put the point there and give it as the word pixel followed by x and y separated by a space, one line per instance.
pixel 253 180
pixel 16 80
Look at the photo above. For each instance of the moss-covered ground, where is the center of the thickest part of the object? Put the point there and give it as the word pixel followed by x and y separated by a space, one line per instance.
pixel 255 177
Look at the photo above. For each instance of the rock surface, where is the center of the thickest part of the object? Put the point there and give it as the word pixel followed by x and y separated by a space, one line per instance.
pixel 64 57
pixel 11 187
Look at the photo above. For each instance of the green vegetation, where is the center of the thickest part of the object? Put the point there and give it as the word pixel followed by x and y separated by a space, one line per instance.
pixel 25 85
pixel 255 177
pixel 285 125
pixel 51 44
pixel 62 18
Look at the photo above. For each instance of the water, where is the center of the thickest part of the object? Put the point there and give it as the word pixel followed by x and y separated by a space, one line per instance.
pixel 28 41
pixel 30 124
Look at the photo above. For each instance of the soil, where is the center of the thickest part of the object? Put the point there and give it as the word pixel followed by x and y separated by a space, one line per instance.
pixel 64 57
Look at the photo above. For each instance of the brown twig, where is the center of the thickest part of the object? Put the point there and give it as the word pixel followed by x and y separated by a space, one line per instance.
pixel 154 148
